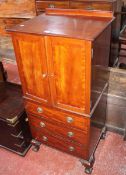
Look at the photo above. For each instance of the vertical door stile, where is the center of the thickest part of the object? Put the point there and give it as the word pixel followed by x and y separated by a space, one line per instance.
pixel 48 48
pixel 88 54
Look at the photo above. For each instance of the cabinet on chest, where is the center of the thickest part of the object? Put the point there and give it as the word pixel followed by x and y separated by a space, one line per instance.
pixel 63 65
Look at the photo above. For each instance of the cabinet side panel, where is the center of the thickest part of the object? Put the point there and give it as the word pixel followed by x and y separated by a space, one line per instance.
pixel 100 62
pixel 100 76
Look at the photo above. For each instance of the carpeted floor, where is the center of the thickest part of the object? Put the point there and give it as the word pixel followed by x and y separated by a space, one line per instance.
pixel 110 160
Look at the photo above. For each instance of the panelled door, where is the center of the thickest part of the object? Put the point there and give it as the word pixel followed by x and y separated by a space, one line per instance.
pixel 31 58
pixel 67 67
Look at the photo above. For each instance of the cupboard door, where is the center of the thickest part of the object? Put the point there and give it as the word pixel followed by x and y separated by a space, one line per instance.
pixel 70 82
pixel 31 59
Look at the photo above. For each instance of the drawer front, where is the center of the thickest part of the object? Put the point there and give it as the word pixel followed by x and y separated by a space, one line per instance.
pixel 60 130
pixel 69 120
pixel 60 144
pixel 91 6
pixel 80 5
pixel 102 6
pixel 42 5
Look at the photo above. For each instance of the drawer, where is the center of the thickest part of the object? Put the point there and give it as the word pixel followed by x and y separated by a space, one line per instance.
pixel 102 6
pixel 91 6
pixel 42 5
pixel 60 144
pixel 68 119
pixel 60 130
pixel 80 5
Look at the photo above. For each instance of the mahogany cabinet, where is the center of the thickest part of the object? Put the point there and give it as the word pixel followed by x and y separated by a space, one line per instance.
pixel 62 61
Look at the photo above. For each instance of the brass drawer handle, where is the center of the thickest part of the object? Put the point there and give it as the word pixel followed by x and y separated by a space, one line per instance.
pixel 70 120
pixel 39 110
pixel 89 8
pixel 42 124
pixel 44 138
pixel 70 134
pixel 71 148
pixel 51 6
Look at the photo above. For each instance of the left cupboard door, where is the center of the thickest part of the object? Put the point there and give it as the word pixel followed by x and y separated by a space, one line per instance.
pixel 32 66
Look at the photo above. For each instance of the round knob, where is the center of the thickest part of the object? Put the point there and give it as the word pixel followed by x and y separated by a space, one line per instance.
pixel 71 148
pixel 42 124
pixel 44 75
pixel 44 138
pixel 70 119
pixel 70 134
pixel 39 110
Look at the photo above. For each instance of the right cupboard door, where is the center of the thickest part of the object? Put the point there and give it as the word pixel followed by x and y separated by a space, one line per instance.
pixel 69 76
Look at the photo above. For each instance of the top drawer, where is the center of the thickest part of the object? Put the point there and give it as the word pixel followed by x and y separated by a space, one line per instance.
pixel 70 120
pixel 42 5
pixel 91 5
pixel 102 6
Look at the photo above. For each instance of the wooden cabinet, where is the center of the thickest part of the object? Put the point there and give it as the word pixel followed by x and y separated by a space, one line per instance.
pixel 62 61
pixel 13 118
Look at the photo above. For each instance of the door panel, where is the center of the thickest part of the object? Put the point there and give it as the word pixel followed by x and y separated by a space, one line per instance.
pixel 30 53
pixel 67 57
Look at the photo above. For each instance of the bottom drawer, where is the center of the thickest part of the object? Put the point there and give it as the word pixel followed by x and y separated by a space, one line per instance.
pixel 60 144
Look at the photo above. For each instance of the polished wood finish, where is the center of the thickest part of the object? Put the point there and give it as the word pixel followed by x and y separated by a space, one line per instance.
pixel 35 79
pixel 59 143
pixel 79 12
pixel 57 115
pixel 13 118
pixel 84 32
pixel 47 126
pixel 105 5
pixel 56 55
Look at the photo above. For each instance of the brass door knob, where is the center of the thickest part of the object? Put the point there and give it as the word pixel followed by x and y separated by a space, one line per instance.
pixel 44 75
pixel 70 134
pixel 70 119
pixel 42 124
pixel 44 138
pixel 71 148
pixel 39 110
